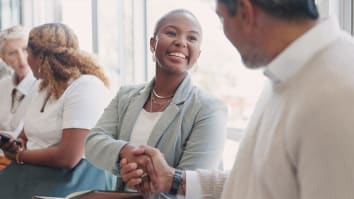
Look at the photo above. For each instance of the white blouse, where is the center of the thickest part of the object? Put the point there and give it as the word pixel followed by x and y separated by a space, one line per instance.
pixel 13 108
pixel 80 106
pixel 143 127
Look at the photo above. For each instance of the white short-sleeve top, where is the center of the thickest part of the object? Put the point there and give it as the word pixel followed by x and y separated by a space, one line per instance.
pixel 11 119
pixel 80 106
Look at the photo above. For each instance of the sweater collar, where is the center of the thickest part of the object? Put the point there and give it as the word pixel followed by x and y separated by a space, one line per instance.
pixel 290 62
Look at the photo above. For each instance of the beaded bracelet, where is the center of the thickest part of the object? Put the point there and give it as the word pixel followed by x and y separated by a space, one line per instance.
pixel 18 153
pixel 176 181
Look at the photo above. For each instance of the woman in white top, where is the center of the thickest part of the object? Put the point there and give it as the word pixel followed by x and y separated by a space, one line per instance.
pixel 71 96
pixel 15 89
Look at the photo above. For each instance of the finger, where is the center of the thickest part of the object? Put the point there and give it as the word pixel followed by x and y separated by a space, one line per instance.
pixel 146 186
pixel 150 151
pixel 139 187
pixel 132 183
pixel 149 167
pixel 143 161
pixel 152 188
pixel 146 160
pixel 6 146
pixel 131 175
pixel 11 146
pixel 123 161
pixel 20 142
pixel 127 152
pixel 139 150
pixel 128 168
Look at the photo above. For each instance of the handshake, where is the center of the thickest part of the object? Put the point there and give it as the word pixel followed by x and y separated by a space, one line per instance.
pixel 144 168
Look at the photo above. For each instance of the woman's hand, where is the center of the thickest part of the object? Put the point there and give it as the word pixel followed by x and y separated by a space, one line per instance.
pixel 9 145
pixel 135 178
pixel 142 161
pixel 159 172
pixel 137 165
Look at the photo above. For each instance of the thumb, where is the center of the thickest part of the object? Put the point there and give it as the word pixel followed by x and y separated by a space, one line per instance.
pixel 147 150
pixel 140 150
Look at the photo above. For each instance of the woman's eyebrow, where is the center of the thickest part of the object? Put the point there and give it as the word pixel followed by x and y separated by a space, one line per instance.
pixel 176 28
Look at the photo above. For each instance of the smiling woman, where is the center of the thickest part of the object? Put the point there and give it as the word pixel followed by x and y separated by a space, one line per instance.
pixel 180 43
pixel 168 113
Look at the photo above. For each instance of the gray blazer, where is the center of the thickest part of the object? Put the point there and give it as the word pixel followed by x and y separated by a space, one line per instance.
pixel 190 133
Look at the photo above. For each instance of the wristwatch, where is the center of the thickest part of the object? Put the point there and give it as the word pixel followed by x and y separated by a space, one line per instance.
pixel 176 181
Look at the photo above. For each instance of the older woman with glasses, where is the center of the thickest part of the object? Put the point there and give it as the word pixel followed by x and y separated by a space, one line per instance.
pixel 15 89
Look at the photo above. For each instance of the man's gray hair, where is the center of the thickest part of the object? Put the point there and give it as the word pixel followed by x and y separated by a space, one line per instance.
pixel 285 9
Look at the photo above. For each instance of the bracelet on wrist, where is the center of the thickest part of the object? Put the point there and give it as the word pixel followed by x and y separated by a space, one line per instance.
pixel 18 155
pixel 177 180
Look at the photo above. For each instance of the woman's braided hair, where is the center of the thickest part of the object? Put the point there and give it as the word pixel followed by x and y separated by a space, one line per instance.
pixel 62 58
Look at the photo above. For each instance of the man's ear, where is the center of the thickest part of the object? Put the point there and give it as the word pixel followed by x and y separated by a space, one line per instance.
pixel 247 14
pixel 152 44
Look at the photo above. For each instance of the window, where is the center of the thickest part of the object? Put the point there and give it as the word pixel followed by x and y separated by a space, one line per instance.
pixel 10 13
pixel 105 28
pixel 70 11
pixel 342 9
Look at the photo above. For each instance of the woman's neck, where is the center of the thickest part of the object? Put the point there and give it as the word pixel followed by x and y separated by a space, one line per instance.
pixel 167 86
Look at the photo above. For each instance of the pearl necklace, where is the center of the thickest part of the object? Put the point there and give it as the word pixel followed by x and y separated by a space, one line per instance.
pixel 159 96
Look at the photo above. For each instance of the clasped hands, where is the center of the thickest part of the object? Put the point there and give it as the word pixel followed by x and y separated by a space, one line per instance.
pixel 11 147
pixel 144 168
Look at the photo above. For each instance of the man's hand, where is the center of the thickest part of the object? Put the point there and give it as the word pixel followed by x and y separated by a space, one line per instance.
pixel 160 173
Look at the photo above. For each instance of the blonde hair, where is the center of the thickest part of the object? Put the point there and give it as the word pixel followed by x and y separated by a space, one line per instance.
pixel 62 59
pixel 14 32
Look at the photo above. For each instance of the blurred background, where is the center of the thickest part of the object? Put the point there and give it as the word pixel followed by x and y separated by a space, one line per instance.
pixel 118 32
